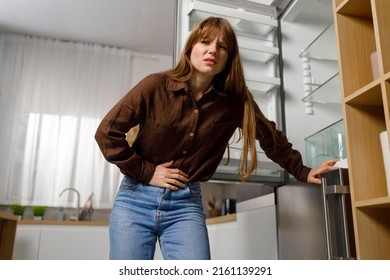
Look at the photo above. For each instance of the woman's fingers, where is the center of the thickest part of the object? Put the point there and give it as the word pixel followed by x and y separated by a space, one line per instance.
pixel 327 165
pixel 167 177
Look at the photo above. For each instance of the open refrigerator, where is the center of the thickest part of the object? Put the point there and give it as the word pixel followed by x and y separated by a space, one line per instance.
pixel 257 30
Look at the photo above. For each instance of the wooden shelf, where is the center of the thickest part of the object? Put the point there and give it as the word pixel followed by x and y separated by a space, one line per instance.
pixel 354 7
pixel 381 202
pixel 367 95
pixel 362 28
pixel 387 77
pixel 8 224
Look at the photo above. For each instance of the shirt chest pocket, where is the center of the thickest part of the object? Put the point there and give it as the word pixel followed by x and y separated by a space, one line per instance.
pixel 160 131
pixel 223 130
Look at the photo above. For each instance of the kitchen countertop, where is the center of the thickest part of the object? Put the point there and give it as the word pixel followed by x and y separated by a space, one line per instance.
pixel 7 216
pixel 247 205
pixel 209 221
pixel 221 219
pixel 63 223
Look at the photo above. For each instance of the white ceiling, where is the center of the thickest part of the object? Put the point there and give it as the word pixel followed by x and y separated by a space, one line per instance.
pixel 139 25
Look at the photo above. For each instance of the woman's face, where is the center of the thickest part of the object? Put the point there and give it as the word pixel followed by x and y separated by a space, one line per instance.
pixel 209 55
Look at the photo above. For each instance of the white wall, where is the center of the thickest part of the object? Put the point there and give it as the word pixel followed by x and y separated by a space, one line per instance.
pixel 144 65
pixel 296 36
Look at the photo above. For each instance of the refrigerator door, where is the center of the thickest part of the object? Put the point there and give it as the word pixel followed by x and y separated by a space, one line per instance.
pixel 336 201
pixel 300 220
pixel 315 222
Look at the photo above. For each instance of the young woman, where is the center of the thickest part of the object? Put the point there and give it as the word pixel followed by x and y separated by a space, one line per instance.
pixel 186 117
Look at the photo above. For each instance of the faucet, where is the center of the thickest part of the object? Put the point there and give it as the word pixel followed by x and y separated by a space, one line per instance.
pixel 78 200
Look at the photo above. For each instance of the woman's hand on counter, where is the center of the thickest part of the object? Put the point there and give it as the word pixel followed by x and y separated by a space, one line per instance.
pixel 316 171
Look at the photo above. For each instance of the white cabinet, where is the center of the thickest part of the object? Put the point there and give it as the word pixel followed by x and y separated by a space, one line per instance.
pixel 61 242
pixel 26 245
pixel 253 236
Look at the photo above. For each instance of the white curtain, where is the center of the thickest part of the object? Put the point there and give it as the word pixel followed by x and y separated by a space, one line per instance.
pixel 53 95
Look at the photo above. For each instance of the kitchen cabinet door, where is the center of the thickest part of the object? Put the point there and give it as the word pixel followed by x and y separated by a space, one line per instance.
pixel 26 243
pixel 74 243
pixel 61 242
pixel 252 236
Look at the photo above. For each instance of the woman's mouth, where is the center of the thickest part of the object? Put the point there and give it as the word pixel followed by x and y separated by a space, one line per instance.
pixel 210 60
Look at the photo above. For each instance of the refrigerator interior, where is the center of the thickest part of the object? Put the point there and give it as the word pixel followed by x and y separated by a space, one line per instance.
pixel 257 29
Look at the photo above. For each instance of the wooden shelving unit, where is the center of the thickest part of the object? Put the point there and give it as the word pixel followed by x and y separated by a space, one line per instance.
pixel 8 224
pixel 363 27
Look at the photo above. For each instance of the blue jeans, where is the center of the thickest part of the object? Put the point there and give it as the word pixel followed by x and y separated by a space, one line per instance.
pixel 143 214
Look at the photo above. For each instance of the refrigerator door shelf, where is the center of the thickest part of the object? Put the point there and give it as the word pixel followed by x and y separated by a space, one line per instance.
pixel 246 23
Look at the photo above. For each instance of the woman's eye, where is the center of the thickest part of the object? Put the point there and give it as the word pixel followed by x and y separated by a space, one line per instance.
pixel 223 47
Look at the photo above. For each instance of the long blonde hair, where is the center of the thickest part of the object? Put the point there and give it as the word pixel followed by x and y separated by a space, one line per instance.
pixel 231 80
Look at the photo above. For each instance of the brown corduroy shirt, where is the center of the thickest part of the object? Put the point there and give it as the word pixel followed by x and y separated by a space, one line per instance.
pixel 173 126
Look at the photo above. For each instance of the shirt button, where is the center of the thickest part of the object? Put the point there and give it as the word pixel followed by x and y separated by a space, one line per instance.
pixel 191 134
pixel 184 152
pixel 196 111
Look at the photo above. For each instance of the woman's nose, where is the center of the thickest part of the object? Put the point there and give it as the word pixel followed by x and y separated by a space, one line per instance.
pixel 212 49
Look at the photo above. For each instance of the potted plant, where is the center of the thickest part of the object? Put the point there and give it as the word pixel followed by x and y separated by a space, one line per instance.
pixel 18 210
pixel 38 212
